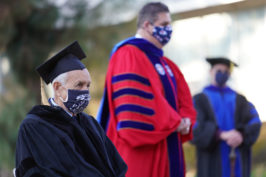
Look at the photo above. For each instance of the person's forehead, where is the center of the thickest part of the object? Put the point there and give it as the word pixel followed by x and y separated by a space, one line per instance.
pixel 163 17
pixel 79 75
pixel 221 66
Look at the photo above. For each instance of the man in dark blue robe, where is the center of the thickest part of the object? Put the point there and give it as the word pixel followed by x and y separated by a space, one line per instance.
pixel 227 126
pixel 60 140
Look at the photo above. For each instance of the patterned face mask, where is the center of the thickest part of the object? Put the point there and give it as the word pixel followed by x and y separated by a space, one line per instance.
pixel 162 33
pixel 77 100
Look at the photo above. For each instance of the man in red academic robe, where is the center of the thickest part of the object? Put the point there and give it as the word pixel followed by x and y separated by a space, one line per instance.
pixel 147 109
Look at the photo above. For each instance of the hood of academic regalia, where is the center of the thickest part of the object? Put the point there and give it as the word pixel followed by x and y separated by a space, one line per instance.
pixel 54 113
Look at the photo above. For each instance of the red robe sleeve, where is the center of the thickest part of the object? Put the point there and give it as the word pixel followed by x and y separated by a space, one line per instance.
pixel 139 111
pixel 185 103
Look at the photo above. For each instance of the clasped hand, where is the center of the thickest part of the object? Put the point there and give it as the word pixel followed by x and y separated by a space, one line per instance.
pixel 232 137
pixel 184 126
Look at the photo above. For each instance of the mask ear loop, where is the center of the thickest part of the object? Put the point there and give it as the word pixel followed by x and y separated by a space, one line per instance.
pixel 63 99
pixel 89 97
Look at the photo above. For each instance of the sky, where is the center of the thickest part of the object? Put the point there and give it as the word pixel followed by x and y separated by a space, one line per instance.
pixel 127 10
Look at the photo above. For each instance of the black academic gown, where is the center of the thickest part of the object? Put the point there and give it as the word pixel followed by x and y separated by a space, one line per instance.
pixel 51 144
pixel 207 142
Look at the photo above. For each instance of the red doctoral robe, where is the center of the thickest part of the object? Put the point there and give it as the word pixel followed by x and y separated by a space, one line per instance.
pixel 140 117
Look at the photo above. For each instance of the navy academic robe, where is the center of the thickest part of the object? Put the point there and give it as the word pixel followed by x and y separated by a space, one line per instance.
pixel 222 109
pixel 52 144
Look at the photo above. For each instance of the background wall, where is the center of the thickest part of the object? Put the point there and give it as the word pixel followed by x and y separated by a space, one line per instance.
pixel 239 36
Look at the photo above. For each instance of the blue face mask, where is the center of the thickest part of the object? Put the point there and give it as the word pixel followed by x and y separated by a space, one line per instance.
pixel 77 100
pixel 221 78
pixel 162 33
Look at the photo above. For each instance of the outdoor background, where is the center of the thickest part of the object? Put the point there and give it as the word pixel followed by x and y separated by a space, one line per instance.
pixel 33 30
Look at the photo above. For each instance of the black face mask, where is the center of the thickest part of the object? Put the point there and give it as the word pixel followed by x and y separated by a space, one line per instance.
pixel 77 100
pixel 221 78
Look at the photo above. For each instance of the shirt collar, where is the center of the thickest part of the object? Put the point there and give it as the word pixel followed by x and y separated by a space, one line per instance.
pixel 53 103
pixel 138 36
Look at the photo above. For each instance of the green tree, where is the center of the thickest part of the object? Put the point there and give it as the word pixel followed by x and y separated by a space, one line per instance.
pixel 31 29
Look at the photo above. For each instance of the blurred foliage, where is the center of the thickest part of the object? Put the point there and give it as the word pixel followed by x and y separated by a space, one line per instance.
pixel 13 107
pixel 30 29
pixel 10 118
pixel 31 33
pixel 259 150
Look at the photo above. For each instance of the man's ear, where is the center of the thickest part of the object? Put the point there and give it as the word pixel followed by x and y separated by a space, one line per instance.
pixel 146 25
pixel 57 86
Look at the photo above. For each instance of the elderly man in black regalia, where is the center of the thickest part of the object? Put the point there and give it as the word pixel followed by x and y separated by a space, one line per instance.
pixel 61 140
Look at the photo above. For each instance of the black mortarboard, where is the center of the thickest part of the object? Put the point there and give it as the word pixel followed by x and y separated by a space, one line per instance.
pixel 66 60
pixel 220 60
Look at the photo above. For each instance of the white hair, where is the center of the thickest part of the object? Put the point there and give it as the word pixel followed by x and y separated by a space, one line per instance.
pixel 62 78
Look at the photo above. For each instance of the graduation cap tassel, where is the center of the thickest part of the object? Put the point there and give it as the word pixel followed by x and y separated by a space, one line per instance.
pixel 44 97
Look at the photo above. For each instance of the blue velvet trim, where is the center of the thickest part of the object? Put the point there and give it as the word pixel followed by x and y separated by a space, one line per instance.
pixel 172 77
pixel 130 76
pixel 219 89
pixel 134 108
pixel 254 120
pixel 175 161
pixel 142 44
pixel 224 154
pixel 135 125
pixel 223 104
pixel 132 91
pixel 120 44
pixel 253 111
pixel 103 116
